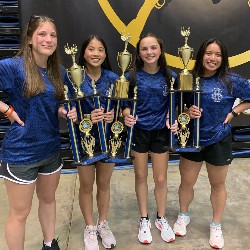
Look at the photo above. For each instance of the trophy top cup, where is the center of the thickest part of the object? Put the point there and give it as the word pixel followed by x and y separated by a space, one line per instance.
pixel 124 59
pixel 185 53
pixel 75 70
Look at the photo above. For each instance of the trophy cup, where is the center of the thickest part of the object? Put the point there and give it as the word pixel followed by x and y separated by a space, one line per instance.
pixel 75 71
pixel 124 60
pixel 185 53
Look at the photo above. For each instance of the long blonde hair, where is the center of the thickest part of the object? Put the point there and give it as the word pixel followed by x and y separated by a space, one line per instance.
pixel 34 83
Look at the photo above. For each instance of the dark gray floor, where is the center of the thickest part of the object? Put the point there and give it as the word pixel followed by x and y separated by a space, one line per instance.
pixel 124 215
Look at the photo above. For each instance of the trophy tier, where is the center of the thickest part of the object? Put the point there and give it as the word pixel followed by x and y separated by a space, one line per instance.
pixel 77 98
pixel 86 160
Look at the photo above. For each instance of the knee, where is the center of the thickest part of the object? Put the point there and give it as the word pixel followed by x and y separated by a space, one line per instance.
pixel 218 187
pixel 47 199
pixel 140 178
pixel 161 181
pixel 103 186
pixel 186 185
pixel 87 189
pixel 20 214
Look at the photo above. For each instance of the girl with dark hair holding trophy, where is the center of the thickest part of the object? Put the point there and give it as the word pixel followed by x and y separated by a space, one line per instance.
pixel 219 89
pixel 94 58
pixel 151 132
pixel 31 159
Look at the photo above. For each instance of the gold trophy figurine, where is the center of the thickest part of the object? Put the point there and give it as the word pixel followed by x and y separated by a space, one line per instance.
pixel 183 133
pixel 185 53
pixel 75 70
pixel 124 60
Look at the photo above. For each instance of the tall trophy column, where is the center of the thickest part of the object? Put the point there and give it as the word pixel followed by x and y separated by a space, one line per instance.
pixel 118 152
pixel 82 141
pixel 185 87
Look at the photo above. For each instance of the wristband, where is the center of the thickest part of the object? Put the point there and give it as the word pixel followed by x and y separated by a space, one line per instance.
pixel 9 112
pixel 234 113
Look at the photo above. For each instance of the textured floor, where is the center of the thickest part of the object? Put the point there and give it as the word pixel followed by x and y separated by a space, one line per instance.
pixel 124 215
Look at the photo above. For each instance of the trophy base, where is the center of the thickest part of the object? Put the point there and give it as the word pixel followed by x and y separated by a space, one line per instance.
pixel 119 158
pixel 185 81
pixel 86 160
pixel 179 149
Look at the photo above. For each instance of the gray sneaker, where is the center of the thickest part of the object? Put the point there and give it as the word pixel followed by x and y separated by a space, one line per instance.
pixel 108 239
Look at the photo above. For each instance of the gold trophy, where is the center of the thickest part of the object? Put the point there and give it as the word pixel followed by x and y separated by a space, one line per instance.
pixel 75 70
pixel 116 142
pixel 185 53
pixel 88 142
pixel 124 60
pixel 183 132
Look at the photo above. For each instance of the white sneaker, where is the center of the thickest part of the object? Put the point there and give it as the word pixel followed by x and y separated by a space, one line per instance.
pixel 108 238
pixel 90 238
pixel 144 235
pixel 216 237
pixel 167 233
pixel 180 226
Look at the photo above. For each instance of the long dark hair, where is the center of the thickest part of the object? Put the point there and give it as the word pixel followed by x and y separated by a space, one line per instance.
pixel 82 62
pixel 162 62
pixel 34 81
pixel 222 71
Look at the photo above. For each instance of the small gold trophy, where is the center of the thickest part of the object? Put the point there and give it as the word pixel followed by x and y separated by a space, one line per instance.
pixel 185 53
pixel 124 60
pixel 183 133
pixel 116 142
pixel 75 70
pixel 88 142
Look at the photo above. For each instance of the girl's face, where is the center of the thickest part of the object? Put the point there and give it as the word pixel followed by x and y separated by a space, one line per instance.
pixel 95 54
pixel 149 50
pixel 212 59
pixel 44 41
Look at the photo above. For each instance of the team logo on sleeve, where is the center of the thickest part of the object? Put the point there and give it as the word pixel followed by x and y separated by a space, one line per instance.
pixel 217 94
pixel 165 90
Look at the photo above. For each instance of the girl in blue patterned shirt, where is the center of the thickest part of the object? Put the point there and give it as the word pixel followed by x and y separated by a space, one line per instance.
pixel 219 89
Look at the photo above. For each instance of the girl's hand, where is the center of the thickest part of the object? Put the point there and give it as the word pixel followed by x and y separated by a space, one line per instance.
pixel 228 118
pixel 62 112
pixel 15 118
pixel 109 116
pixel 129 120
pixel 174 127
pixel 194 112
pixel 97 115
pixel 72 114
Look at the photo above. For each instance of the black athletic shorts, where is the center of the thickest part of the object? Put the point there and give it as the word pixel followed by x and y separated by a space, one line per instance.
pixel 218 154
pixel 154 141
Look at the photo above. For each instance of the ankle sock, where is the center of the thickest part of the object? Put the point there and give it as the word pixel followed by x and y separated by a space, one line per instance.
pixel 48 244
pixel 147 218
pixel 187 213
pixel 213 223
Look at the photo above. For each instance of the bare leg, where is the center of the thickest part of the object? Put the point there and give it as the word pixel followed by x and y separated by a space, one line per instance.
pixel 103 175
pixel 20 201
pixel 160 168
pixel 189 171
pixel 45 188
pixel 217 177
pixel 87 178
pixel 141 186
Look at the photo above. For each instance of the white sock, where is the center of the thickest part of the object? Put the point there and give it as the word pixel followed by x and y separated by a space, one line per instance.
pixel 48 244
